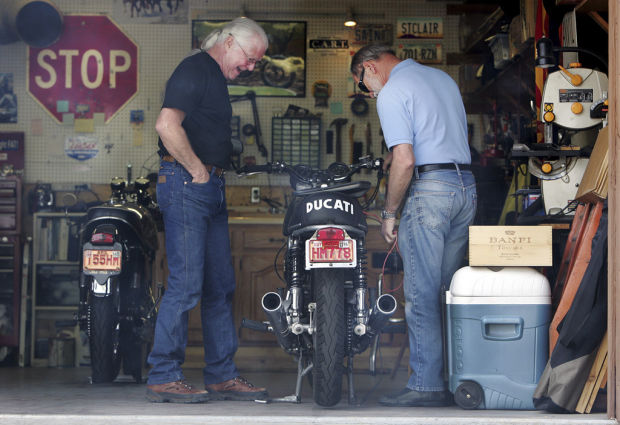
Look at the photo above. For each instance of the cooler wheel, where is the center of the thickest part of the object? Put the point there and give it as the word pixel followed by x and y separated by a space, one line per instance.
pixel 468 395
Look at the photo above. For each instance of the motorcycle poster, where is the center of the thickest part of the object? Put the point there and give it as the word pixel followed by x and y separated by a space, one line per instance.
pixel 281 72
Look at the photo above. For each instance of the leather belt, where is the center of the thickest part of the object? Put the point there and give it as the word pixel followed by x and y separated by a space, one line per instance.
pixel 447 166
pixel 218 171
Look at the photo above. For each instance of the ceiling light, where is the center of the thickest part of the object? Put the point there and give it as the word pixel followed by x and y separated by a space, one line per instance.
pixel 349 21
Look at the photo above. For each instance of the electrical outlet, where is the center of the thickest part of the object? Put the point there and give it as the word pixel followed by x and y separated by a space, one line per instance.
pixel 255 195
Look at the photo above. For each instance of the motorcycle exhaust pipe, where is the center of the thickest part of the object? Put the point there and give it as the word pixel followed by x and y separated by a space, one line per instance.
pixel 272 305
pixel 383 310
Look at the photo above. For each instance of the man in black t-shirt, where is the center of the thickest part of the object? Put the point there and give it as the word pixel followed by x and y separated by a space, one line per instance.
pixel 195 147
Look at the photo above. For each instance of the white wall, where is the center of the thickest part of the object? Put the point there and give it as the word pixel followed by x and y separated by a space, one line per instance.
pixel 161 47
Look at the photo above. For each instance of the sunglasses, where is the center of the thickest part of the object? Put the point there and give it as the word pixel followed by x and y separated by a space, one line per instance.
pixel 361 84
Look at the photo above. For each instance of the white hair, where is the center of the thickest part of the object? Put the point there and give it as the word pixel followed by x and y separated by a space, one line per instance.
pixel 243 29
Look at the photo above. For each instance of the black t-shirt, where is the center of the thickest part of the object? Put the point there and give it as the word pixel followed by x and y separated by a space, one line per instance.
pixel 198 88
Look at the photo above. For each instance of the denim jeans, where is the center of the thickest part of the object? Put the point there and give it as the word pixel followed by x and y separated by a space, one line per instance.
pixel 200 269
pixel 432 238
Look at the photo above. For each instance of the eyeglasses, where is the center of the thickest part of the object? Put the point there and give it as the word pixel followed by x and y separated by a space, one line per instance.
pixel 361 84
pixel 251 61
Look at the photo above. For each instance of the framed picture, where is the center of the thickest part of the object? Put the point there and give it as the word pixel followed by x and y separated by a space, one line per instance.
pixel 281 72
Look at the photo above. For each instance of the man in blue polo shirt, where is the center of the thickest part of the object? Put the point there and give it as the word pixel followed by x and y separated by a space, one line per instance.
pixel 425 127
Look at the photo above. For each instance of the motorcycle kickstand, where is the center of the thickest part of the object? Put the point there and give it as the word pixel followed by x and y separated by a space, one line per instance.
pixel 351 390
pixel 301 372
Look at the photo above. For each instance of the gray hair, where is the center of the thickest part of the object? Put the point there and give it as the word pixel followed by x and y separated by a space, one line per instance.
pixel 368 53
pixel 243 29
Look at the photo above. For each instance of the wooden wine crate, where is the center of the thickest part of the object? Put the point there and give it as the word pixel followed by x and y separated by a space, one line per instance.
pixel 510 246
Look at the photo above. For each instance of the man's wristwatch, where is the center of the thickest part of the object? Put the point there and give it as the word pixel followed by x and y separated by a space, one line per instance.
pixel 387 215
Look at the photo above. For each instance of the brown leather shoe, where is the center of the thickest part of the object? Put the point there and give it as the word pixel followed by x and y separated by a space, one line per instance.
pixel 237 389
pixel 176 392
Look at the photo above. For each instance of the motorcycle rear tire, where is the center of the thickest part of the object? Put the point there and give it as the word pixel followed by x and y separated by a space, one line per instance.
pixel 105 359
pixel 328 353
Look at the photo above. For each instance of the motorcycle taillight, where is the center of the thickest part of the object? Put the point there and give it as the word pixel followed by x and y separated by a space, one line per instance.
pixel 330 234
pixel 102 238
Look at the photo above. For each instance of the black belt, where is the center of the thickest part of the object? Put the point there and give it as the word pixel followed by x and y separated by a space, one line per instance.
pixel 447 166
pixel 218 171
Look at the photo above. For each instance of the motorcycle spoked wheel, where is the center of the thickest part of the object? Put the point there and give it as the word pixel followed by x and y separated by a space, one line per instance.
pixel 328 350
pixel 105 357
pixel 276 76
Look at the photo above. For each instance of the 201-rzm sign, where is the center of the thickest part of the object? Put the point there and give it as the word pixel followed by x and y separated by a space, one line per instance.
pixel 92 68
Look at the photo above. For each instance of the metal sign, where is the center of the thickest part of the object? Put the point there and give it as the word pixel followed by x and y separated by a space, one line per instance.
pixel 420 52
pixel 92 68
pixel 372 33
pixel 326 43
pixel 418 28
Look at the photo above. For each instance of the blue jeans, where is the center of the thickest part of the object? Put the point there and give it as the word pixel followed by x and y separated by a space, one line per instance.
pixel 200 269
pixel 432 238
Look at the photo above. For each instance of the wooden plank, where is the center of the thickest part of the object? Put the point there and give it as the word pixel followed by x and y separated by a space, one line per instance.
pixel 590 388
pixel 602 376
pixel 613 395
pixel 568 257
pixel 582 259
pixel 592 5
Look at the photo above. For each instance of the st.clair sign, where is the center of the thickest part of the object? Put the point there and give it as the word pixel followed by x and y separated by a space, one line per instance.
pixel 92 68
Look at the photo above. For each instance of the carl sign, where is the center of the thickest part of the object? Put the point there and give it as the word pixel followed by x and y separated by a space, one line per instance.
pixel 92 68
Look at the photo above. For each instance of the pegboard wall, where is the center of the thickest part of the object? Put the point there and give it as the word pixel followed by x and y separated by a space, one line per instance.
pixel 163 46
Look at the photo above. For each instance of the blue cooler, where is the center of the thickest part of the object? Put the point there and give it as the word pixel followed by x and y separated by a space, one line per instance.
pixel 497 336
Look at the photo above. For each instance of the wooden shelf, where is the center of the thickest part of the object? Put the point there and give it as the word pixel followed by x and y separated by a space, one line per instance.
pixel 592 6
pixel 475 42
pixel 509 87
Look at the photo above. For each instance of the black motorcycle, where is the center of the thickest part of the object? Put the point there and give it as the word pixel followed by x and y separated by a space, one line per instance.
pixel 326 312
pixel 117 305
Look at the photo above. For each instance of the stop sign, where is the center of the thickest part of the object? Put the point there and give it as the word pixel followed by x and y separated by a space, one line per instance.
pixel 93 67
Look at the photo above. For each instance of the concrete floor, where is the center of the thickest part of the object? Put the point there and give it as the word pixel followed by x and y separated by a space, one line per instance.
pixel 65 396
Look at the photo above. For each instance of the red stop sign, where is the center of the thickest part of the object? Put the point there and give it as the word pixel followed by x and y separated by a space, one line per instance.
pixel 92 68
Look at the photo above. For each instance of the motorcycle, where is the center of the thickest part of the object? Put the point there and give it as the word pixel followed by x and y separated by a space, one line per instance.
pixel 280 71
pixel 326 313
pixel 117 305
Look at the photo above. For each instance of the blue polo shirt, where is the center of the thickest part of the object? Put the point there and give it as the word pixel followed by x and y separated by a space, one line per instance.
pixel 422 106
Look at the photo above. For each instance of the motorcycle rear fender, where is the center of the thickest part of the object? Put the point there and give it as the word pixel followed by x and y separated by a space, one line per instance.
pixel 101 289
pixel 324 209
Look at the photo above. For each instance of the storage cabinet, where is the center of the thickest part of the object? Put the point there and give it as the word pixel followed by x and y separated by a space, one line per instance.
pixel 10 259
pixel 55 277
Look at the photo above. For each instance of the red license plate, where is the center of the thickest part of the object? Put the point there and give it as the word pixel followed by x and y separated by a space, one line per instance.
pixel 104 260
pixel 330 252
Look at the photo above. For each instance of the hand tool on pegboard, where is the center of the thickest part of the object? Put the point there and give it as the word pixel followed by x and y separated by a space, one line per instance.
pixel 338 123
pixel 368 144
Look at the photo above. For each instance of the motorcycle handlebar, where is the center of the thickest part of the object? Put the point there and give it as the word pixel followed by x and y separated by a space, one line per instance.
pixel 282 167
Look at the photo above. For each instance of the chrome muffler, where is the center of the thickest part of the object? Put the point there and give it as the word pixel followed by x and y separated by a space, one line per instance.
pixel 272 305
pixel 384 309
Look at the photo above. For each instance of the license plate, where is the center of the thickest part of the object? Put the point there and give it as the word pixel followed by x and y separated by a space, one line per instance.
pixel 324 254
pixel 102 260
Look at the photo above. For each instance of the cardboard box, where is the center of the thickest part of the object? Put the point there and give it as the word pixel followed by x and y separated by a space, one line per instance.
pixel 594 183
pixel 510 246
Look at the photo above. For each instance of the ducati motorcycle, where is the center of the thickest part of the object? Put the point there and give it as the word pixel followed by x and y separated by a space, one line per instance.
pixel 326 313
pixel 117 305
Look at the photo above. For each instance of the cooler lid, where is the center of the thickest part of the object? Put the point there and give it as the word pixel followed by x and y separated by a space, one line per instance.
pixel 499 282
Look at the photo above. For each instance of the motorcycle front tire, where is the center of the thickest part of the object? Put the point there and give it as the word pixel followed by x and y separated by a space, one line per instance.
pixel 328 350
pixel 105 357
